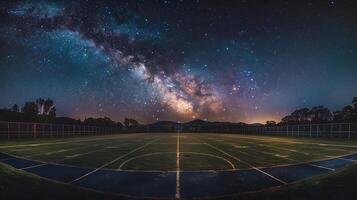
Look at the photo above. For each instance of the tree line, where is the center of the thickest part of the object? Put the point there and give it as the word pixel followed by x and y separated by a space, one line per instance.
pixel 44 111
pixel 321 114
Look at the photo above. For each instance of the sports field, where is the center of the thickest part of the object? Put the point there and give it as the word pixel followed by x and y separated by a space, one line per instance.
pixel 184 159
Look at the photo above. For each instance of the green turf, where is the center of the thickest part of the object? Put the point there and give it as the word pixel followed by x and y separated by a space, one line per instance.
pixel 198 151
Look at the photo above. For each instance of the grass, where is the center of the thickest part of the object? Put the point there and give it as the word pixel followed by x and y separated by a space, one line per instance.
pixel 198 151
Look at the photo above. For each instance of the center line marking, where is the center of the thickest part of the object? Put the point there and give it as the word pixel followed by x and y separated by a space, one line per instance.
pixel 178 167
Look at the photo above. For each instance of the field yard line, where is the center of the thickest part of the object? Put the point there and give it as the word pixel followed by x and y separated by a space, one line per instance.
pixel 34 166
pixel 347 159
pixel 69 149
pixel 322 167
pixel 246 163
pixel 102 146
pixel 292 150
pixel 177 195
pixel 174 152
pixel 111 162
pixel 51 152
pixel 144 155
pixel 272 154
pixel 296 142
pixel 50 143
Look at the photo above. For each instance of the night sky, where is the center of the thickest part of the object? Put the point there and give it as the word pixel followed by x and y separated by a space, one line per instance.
pixel 234 61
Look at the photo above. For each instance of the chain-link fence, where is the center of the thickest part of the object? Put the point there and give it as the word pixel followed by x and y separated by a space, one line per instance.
pixel 335 130
pixel 12 130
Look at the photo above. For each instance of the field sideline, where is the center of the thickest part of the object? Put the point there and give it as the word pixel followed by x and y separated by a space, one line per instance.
pixel 187 156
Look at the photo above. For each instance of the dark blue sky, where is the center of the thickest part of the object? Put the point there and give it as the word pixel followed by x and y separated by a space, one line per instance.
pixel 179 60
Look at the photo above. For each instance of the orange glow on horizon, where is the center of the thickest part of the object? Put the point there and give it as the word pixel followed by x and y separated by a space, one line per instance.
pixel 263 119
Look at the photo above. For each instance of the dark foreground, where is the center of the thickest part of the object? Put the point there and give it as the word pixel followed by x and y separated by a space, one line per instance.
pixel 186 166
pixel 16 184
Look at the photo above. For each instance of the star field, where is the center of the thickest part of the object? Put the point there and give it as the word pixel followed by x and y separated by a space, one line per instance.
pixel 179 60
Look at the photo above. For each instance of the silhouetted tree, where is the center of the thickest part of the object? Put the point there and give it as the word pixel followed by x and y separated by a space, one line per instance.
pixel 301 115
pixel 52 113
pixel 40 106
pixel 105 121
pixel 131 123
pixel 338 116
pixel 45 107
pixel 15 108
pixel 320 114
pixel 347 113
pixel 30 111
pixel 270 123
pixel 354 102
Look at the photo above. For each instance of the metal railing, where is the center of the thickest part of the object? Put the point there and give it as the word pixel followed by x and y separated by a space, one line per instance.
pixel 12 130
pixel 333 130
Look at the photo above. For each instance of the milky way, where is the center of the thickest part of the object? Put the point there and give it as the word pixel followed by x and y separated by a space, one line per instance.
pixel 174 60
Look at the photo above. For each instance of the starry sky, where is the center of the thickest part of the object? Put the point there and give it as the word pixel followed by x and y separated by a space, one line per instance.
pixel 248 61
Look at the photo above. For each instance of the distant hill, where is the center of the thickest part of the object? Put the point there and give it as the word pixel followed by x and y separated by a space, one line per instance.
pixel 196 125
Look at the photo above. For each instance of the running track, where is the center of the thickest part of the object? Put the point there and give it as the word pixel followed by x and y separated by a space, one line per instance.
pixel 192 184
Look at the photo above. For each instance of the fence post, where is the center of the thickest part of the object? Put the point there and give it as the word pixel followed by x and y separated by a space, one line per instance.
pixel 287 130
pixel 349 130
pixel 74 130
pixel 18 130
pixel 310 129
pixel 34 130
pixel 317 130
pixel 331 129
pixel 51 130
pixel 298 130
pixel 8 130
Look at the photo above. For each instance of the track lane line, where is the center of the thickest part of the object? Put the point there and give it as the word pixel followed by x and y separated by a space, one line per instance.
pixel 34 166
pixel 111 162
pixel 246 163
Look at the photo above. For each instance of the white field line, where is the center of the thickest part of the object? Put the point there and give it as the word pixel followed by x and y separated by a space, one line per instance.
pixel 296 151
pixel 170 152
pixel 246 163
pixel 213 156
pixel 143 155
pixel 64 142
pixel 69 149
pixel 51 152
pixel 296 142
pixel 300 152
pixel 282 157
pixel 34 166
pixel 296 161
pixel 291 150
pixel 102 146
pixel 351 160
pixel 178 195
pixel 111 162
pixel 81 154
